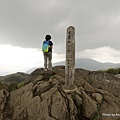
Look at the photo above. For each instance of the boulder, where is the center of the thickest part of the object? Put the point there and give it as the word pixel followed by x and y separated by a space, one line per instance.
pixel 3 99
pixel 98 97
pixel 89 107
pixel 45 98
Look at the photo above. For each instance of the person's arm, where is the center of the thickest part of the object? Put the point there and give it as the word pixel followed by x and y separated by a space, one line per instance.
pixel 51 45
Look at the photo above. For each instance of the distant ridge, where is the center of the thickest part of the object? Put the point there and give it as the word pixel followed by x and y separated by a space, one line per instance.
pixel 85 63
pixel 91 64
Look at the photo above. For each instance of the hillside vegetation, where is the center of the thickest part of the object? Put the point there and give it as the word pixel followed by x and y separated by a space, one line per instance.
pixel 113 71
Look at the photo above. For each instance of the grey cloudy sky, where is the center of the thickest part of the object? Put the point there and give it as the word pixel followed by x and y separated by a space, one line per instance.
pixel 24 23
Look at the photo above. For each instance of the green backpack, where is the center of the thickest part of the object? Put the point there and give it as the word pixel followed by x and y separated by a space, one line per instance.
pixel 45 46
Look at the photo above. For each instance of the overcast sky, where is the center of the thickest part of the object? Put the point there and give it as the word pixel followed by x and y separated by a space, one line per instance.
pixel 24 24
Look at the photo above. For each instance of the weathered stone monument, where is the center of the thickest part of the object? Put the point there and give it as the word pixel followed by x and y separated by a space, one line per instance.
pixel 70 58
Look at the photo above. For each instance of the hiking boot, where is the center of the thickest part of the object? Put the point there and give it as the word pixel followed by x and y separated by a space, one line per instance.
pixel 45 69
pixel 49 68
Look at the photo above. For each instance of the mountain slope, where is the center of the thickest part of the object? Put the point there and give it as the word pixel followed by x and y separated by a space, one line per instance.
pixel 14 78
pixel 44 97
pixel 91 64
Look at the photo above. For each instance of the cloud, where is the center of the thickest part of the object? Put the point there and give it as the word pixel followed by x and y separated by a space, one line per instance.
pixel 15 59
pixel 102 54
pixel 19 59
pixel 25 23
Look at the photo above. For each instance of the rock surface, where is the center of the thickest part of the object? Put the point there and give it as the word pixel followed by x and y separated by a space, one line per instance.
pixel 44 98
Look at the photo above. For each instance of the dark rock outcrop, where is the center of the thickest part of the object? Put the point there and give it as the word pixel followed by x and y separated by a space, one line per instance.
pixel 101 80
pixel 44 98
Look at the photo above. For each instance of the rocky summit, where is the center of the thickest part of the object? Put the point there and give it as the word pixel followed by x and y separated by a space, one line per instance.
pixel 96 97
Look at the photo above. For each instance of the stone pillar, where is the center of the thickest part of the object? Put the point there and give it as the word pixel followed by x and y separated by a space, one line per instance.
pixel 70 58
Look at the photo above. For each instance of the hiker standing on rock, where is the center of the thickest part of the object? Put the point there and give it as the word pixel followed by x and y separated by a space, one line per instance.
pixel 47 52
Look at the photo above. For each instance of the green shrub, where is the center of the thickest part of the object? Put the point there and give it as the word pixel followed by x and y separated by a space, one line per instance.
pixel 20 85
pixel 12 86
pixel 3 86
pixel 113 71
pixel 97 116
